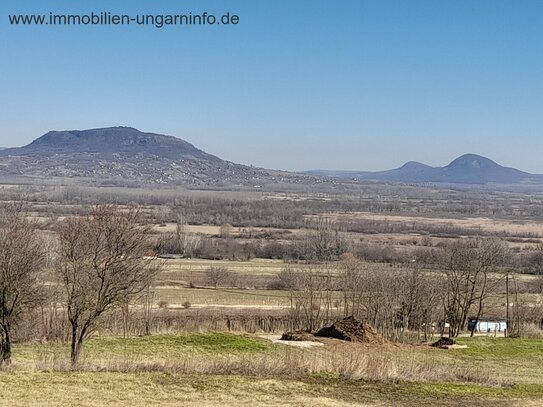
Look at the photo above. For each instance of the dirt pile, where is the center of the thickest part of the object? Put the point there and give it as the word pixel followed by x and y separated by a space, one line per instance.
pixel 297 336
pixel 443 342
pixel 352 330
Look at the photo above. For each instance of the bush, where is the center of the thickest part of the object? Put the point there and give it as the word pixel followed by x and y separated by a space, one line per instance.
pixel 531 330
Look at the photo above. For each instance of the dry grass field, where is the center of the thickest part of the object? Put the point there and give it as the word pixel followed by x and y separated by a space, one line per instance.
pixel 507 226
pixel 229 369
pixel 215 230
pixel 223 298
pixel 168 390
pixel 251 267
pixel 179 274
pixel 185 280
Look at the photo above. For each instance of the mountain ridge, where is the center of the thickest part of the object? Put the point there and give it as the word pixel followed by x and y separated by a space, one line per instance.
pixel 123 155
pixel 119 139
pixel 467 169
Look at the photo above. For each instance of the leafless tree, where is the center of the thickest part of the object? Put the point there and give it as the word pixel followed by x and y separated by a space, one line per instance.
pixel 468 267
pixel 147 300
pixel 21 260
pixel 395 300
pixel 535 265
pixel 226 230
pixel 311 289
pixel 352 279
pixel 186 242
pixel 217 275
pixel 323 242
pixel 489 255
pixel 100 264
pixel 420 294
pixel 181 241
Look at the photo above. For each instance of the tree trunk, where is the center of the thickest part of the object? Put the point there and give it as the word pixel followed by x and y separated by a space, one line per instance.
pixel 75 350
pixel 479 312
pixel 77 341
pixel 5 349
pixel 125 311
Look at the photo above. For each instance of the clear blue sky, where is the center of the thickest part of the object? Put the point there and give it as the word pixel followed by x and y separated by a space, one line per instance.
pixel 298 84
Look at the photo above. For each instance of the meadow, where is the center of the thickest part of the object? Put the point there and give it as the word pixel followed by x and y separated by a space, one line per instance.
pixel 240 369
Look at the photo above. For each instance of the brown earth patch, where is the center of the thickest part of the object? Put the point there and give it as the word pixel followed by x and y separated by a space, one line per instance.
pixel 352 330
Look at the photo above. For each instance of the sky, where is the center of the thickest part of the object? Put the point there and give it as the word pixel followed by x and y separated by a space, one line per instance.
pixel 297 84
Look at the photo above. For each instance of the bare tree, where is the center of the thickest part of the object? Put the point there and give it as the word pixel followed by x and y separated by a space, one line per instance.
pixel 352 283
pixel 489 255
pixel 101 265
pixel 323 243
pixel 226 230
pixel 393 300
pixel 535 262
pixel 217 275
pixel 420 294
pixel 311 294
pixel 147 298
pixel 21 260
pixel 467 267
pixel 182 241
pixel 186 242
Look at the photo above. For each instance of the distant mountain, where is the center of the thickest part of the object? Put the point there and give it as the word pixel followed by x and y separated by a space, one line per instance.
pixel 115 140
pixel 121 155
pixel 127 156
pixel 466 169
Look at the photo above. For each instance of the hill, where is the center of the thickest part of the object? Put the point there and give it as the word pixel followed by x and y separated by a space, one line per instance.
pixel 124 155
pixel 127 156
pixel 466 169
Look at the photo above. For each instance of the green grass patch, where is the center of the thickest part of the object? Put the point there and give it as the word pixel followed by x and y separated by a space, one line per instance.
pixel 522 391
pixel 168 345
pixel 164 389
pixel 513 359
pixel 151 348
pixel 491 371
pixel 502 347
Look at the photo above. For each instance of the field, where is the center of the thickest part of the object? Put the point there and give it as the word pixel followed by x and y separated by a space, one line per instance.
pixel 238 272
pixel 255 266
pixel 179 274
pixel 164 389
pixel 230 369
pixel 185 280
pixel 223 298
pixel 507 226
pixel 213 230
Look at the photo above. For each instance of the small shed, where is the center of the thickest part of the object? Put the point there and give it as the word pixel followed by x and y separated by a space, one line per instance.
pixel 487 325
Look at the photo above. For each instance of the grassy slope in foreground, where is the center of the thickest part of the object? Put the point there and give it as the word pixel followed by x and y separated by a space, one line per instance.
pixel 228 369
pixel 92 389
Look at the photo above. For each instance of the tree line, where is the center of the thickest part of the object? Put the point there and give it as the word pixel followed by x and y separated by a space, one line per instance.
pixel 464 281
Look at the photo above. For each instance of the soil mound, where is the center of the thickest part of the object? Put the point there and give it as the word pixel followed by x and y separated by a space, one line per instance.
pixel 297 336
pixel 443 342
pixel 352 330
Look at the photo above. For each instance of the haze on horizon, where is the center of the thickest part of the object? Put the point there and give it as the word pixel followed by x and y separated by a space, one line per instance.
pixel 301 85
